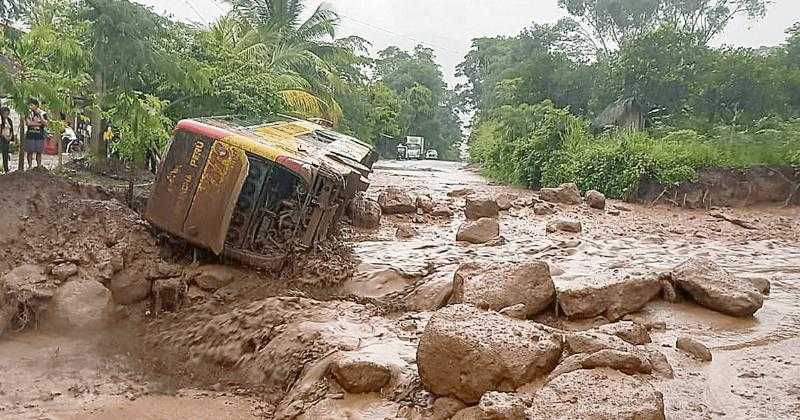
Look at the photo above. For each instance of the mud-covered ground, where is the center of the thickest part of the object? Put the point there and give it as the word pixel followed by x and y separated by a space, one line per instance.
pixel 310 344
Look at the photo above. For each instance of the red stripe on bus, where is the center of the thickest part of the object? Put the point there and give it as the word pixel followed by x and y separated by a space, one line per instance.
pixel 206 130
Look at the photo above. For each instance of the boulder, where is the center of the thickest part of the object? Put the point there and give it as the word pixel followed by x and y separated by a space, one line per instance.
pixel 405 232
pixel 130 286
pixel 494 406
pixel 543 209
pixel 425 203
pixel 761 284
pixel 570 226
pixel 442 210
pixel 431 295
pixel 713 287
pixel 593 341
pixel 213 277
pixel 564 194
pixel 461 192
pixel 499 286
pixel 64 271
pixel 396 201
pixel 505 201
pixel 660 364
pixel 478 232
pixel 465 352
pixel 518 311
pixel 364 213
pixel 597 394
pixel 612 298
pixel 478 208
pixel 595 199
pixel 81 304
pixel 694 348
pixel 445 408
pixel 360 375
pixel 630 363
pixel 627 330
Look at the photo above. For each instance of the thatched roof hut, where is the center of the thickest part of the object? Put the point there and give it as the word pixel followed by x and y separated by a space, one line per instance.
pixel 625 113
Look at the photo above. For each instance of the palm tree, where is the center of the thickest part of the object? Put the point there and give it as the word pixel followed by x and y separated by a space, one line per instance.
pixel 304 53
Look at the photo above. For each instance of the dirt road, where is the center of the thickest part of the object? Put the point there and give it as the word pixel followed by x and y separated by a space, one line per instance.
pixel 263 346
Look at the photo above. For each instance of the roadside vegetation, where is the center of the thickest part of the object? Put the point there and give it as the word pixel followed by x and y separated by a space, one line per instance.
pixel 537 97
pixel 121 63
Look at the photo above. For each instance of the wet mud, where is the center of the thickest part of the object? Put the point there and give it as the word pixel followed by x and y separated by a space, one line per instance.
pixel 266 345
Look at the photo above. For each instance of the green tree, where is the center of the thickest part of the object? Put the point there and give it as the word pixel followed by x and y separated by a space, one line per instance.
pixel 125 49
pixel 611 22
pixel 428 108
pixel 304 52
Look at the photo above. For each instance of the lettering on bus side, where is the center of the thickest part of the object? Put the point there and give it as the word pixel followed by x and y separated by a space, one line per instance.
pixel 197 153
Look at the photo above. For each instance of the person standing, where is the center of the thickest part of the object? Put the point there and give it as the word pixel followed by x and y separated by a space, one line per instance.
pixel 34 134
pixel 7 135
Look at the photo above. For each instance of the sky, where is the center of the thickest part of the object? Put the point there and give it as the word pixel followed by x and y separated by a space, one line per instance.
pixel 448 26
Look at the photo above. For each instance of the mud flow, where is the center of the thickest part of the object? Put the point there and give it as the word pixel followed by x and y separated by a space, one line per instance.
pixel 440 295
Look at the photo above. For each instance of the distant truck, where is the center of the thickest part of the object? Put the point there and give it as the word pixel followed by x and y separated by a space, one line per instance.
pixel 402 150
pixel 415 147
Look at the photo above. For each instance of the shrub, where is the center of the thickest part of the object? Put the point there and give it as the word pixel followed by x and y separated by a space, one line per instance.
pixel 541 145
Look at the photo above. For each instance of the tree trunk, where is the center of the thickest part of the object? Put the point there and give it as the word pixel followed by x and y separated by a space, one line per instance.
pixel 98 143
pixel 21 144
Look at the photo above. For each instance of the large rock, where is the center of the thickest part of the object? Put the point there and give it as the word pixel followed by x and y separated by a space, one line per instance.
pixel 543 209
pixel 431 295
pixel 595 199
pixel 425 203
pixel 612 298
pixel 497 287
pixel 478 208
pixel 571 226
pixel 597 394
pixel 565 194
pixel 64 271
pixel 364 213
pixel 81 304
pixel 465 352
pixel 478 232
pixel 593 341
pixel 694 348
pixel 713 287
pixel 623 361
pixel 396 201
pixel 494 406
pixel 461 192
pixel 213 277
pixel 130 286
pixel 629 331
pixel 360 375
pixel 505 201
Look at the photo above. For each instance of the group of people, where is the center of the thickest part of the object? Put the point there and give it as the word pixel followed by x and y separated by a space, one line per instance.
pixel 35 127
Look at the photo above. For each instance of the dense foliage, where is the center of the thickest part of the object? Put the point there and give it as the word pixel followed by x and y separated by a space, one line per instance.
pixel 126 66
pixel 537 96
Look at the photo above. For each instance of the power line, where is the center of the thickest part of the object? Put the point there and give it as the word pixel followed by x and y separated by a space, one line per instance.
pixel 197 12
pixel 390 32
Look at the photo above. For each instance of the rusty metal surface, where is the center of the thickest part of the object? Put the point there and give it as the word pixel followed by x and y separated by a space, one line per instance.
pixel 210 214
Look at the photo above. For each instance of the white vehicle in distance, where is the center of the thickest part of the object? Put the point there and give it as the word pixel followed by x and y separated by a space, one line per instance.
pixel 432 154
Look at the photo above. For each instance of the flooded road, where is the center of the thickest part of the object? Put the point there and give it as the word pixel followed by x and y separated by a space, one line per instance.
pixel 265 346
pixel 755 372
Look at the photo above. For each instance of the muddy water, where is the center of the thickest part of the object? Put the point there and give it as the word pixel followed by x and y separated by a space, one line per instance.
pixel 756 371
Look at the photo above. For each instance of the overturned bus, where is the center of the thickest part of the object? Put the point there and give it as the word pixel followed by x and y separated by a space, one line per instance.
pixel 256 193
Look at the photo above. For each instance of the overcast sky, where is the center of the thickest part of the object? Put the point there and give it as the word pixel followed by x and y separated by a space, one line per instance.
pixel 448 26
